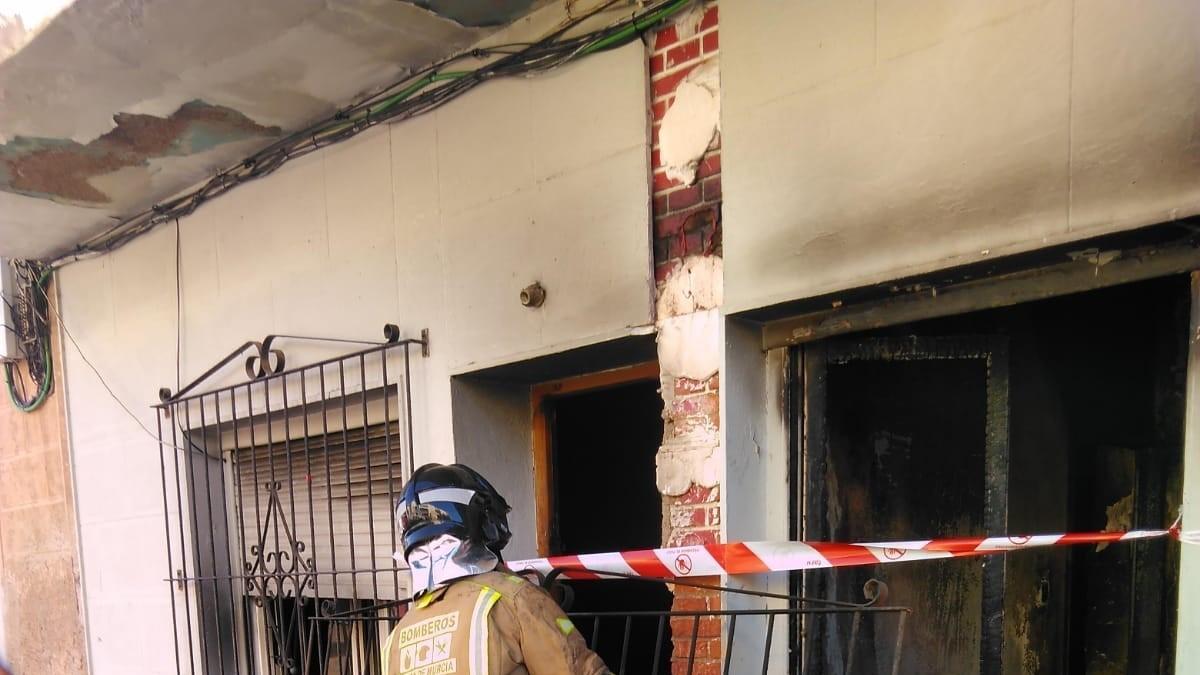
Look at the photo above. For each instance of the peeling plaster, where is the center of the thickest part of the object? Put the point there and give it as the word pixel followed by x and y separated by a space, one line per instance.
pixel 62 169
pixel 694 286
pixel 679 466
pixel 692 122
pixel 687 23
pixel 690 345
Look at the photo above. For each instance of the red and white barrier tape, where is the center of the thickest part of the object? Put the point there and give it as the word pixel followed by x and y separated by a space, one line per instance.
pixel 757 557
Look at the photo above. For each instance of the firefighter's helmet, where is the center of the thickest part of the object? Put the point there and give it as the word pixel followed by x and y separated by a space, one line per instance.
pixel 452 499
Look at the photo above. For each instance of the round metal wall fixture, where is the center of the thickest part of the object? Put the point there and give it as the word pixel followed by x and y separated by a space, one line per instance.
pixel 533 295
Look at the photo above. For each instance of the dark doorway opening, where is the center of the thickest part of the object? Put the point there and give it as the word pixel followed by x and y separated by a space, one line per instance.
pixel 604 496
pixel 904 432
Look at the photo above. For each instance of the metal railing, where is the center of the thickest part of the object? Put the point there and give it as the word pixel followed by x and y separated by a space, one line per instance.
pixel 675 650
pixel 278 495
pixel 740 657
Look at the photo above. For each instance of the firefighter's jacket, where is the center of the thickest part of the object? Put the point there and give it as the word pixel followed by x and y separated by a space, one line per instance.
pixel 494 623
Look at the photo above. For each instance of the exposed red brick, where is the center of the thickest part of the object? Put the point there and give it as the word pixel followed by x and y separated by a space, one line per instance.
pixel 665 38
pixel 695 243
pixel 661 182
pixel 679 664
pixel 700 220
pixel 710 43
pixel 686 385
pixel 684 426
pixel 656 63
pixel 712 189
pixel 682 628
pixel 710 165
pixel 684 198
pixel 707 649
pixel 658 110
pixel 666 84
pixel 681 591
pixel 698 494
pixel 668 226
pixel 714 240
pixel 704 404
pixel 695 603
pixel 682 53
pixel 713 647
pixel 675 247
pixel 709 20
pixel 662 253
pixel 714 382
pixel 692 590
pixel 662 270
pixel 682 407
pixel 660 205
pixel 694 538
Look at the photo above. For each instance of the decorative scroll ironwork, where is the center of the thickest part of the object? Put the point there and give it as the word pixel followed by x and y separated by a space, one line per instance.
pixel 267 361
pixel 277 566
pixel 277 495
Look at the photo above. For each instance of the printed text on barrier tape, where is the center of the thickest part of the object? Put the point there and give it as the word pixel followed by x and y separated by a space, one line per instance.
pixel 757 557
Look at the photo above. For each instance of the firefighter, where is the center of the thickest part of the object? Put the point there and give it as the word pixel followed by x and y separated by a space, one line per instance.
pixel 469 613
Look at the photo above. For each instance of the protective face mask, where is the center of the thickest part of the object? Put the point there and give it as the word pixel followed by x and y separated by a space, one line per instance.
pixel 439 561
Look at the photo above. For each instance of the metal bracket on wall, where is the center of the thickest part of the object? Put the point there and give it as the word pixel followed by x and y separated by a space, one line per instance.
pixel 266 360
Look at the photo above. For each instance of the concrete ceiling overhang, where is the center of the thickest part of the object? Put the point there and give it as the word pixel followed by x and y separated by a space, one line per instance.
pixel 112 105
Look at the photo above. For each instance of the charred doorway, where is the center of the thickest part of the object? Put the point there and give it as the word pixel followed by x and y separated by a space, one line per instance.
pixel 603 497
pixel 1053 416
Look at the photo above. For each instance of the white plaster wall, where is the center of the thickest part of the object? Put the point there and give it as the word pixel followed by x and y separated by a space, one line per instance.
pixel 1187 648
pixel 434 223
pixel 756 483
pixel 865 140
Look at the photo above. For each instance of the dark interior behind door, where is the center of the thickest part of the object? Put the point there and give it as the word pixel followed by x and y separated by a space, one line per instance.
pixel 907 438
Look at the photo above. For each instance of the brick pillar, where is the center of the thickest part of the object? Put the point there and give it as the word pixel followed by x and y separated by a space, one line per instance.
pixel 687 218
pixel 687 250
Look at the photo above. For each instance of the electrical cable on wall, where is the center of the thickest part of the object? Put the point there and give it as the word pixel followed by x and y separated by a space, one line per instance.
pixel 418 93
pixel 29 309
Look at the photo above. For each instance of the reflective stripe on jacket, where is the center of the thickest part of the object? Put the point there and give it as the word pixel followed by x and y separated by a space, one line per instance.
pixel 494 623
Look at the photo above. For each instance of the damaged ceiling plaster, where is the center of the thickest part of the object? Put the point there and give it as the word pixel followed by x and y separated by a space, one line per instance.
pixel 109 106
pixel 61 169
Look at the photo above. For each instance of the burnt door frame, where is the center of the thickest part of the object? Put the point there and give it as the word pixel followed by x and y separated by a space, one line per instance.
pixel 813 453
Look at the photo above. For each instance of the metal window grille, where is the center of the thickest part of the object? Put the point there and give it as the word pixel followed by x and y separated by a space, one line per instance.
pixel 876 640
pixel 278 496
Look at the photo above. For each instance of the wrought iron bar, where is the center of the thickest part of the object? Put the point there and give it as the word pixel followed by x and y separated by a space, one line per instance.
pixel 259 366
pixel 267 605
